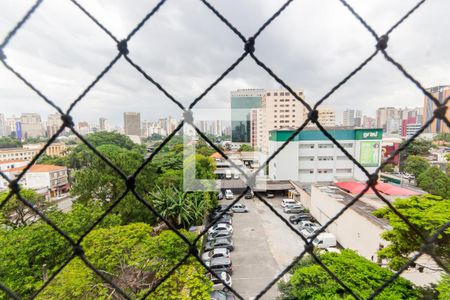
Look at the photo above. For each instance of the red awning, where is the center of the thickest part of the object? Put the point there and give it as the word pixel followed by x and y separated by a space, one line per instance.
pixel 353 187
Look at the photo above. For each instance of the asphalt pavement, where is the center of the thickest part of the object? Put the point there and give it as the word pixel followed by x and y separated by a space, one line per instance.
pixel 264 246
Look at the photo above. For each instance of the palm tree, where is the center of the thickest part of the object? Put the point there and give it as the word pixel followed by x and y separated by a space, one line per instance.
pixel 179 208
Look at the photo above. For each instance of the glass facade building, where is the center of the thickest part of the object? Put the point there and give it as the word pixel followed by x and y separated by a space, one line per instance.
pixel 240 117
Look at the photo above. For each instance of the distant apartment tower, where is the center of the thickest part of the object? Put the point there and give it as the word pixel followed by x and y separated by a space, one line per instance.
pixel 327 116
pixel 242 102
pixel 384 114
pixel 368 122
pixel 31 125
pixel 84 128
pixel 352 117
pixel 54 122
pixel 279 109
pixel 132 123
pixel 103 124
pixel 441 93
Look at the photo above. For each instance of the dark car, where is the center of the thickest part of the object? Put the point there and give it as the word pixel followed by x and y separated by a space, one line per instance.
pixel 219 243
pixel 300 217
pixel 221 295
pixel 220 264
pixel 219 234
pixel 220 208
pixel 249 194
pixel 223 219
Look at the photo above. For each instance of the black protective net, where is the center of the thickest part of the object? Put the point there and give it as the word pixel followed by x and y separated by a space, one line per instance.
pixel 380 46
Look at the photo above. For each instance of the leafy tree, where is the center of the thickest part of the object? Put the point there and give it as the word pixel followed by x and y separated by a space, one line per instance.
pixel 419 146
pixel 15 213
pixel 246 148
pixel 444 137
pixel 427 213
pixel 435 182
pixel 134 257
pixel 25 250
pixel 100 183
pixel 8 142
pixel 155 137
pixel 181 209
pixel 416 165
pixel 443 288
pixel 388 168
pixel 311 281
pixel 54 160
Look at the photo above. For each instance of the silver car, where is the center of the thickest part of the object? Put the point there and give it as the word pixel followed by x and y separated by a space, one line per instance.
pixel 239 208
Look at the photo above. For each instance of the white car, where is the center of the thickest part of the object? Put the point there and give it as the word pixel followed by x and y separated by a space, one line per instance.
pixel 285 202
pixel 229 195
pixel 239 208
pixel 306 224
pixel 220 227
pixel 228 174
pixel 236 175
pixel 214 253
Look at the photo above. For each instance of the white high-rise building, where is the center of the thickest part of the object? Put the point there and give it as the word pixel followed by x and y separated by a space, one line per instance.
pixel 54 122
pixel 352 117
pixel 31 124
pixel 104 124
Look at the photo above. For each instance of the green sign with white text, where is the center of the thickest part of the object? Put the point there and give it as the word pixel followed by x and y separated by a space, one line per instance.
pixel 368 134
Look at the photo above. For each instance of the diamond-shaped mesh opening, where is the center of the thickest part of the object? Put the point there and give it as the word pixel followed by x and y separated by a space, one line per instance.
pixel 186 263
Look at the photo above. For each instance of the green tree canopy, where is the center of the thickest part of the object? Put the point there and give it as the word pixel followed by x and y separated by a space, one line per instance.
pixel 416 165
pixel 246 148
pixel 427 213
pixel 435 182
pixel 15 213
pixel 25 250
pixel 310 281
pixel 134 257
pixel 8 142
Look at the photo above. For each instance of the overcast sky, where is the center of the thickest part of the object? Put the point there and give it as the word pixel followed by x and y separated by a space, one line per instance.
pixel 312 45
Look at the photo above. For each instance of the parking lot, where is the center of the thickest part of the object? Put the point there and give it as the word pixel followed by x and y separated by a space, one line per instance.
pixel 264 246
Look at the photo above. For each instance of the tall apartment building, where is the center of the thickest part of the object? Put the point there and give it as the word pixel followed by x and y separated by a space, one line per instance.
pixel 384 114
pixel 368 122
pixel 352 117
pixel 103 124
pixel 31 125
pixel 441 93
pixel 242 102
pixel 327 116
pixel 132 123
pixel 312 157
pixel 54 122
pixel 84 128
pixel 11 125
pixel 279 109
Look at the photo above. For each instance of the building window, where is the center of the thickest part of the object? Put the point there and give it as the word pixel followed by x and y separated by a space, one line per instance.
pixel 326 146
pixel 268 94
pixel 275 94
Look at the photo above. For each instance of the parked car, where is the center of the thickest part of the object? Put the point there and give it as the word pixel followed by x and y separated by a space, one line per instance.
pixel 228 174
pixel 293 209
pixel 222 295
pixel 218 285
pixel 308 232
pixel 236 175
pixel 305 224
pixel 220 208
pixel 300 217
pixel 270 195
pixel 219 243
pixel 287 201
pixel 239 208
pixel 220 195
pixel 221 227
pixel 218 234
pixel 324 240
pixel 223 219
pixel 215 253
pixel 216 214
pixel 249 194
pixel 221 264
pixel 229 195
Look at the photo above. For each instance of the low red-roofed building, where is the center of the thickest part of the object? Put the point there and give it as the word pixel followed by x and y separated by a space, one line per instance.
pixel 51 179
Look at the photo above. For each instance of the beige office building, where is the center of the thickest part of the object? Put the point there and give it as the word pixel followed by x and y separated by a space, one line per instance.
pixel 132 123
pixel 326 118
pixel 279 109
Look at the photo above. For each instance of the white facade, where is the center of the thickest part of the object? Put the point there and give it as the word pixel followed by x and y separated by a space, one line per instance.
pixel 31 125
pixel 17 154
pixel 319 160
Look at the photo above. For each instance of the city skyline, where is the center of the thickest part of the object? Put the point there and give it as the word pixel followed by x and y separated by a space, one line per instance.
pixel 379 84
